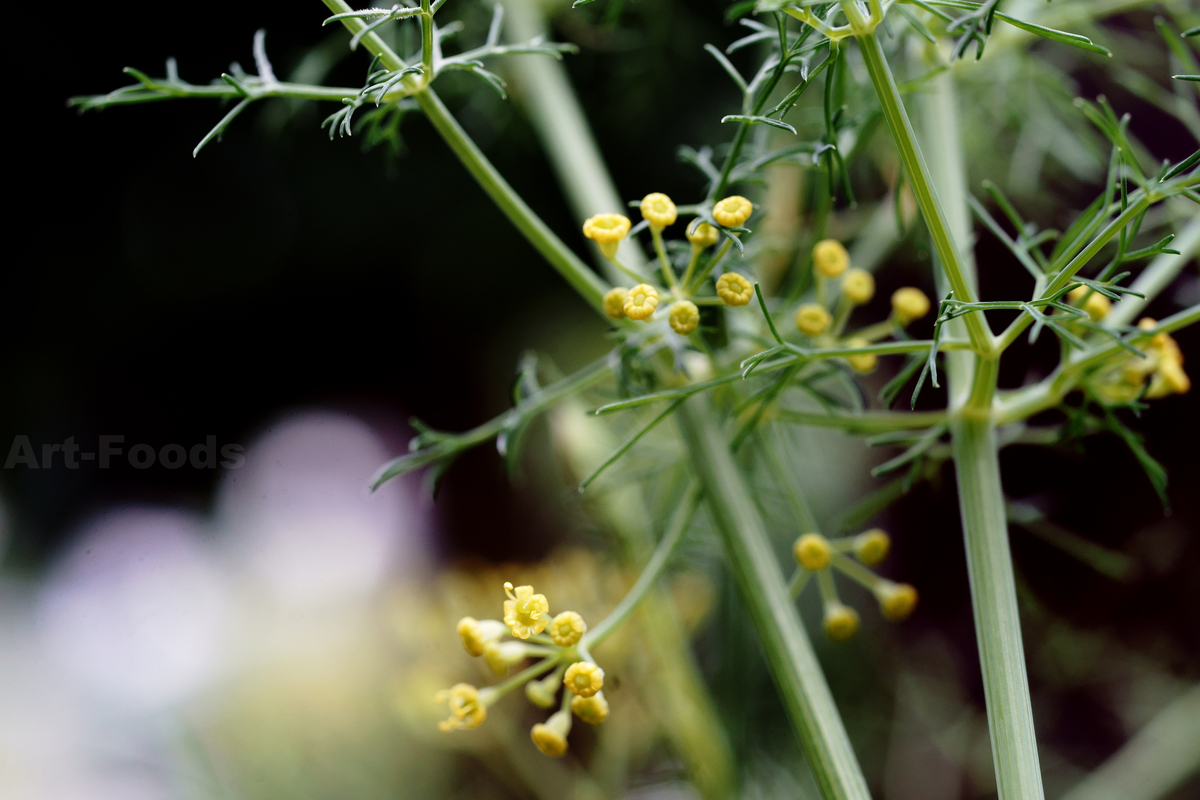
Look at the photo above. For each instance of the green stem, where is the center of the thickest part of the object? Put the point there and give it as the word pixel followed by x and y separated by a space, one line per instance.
pixel 651 572
pixel 525 675
pixel 994 600
pixel 867 422
pixel 562 258
pixel 981 498
pixel 785 644
pixel 660 250
pixel 917 172
pixel 1077 263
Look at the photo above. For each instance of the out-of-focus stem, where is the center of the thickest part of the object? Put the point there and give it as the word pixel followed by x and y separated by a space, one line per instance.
pixel 651 572
pixel 785 644
pixel 1156 761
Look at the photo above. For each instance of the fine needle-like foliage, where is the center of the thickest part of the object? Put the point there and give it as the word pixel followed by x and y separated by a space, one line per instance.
pixel 714 354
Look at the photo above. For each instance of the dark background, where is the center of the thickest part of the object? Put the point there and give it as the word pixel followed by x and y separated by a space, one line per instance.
pixel 167 298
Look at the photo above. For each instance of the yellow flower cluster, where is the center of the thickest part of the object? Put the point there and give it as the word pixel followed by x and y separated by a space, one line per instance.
pixel 817 555
pixel 1092 302
pixel 502 644
pixel 1157 375
pixel 659 211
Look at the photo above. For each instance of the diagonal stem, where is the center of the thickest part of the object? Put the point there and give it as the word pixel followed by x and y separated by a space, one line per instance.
pixel 785 644
pixel 917 172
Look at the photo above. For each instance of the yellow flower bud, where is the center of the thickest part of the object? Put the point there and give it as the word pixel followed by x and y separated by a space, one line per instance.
pixel 607 231
pixel 614 302
pixel 872 547
pixel 841 622
pixel 592 710
pixel 812 319
pixel 543 693
pixel 830 258
pixel 734 289
pixel 684 317
pixel 584 679
pixel 1168 379
pixel 475 635
pixel 812 551
pixel 525 613
pixel 732 211
pixel 1147 324
pixel 1096 305
pixel 658 210
pixel 1173 375
pixel 703 235
pixel 909 304
pixel 641 301
pixel 502 655
pixel 863 362
pixel 567 628
pixel 896 600
pixel 1166 347
pixel 467 707
pixel 551 736
pixel 858 286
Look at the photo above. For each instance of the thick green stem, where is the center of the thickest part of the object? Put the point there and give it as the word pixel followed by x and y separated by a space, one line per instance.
pixel 994 600
pixel 981 498
pixel 785 644
pixel 917 172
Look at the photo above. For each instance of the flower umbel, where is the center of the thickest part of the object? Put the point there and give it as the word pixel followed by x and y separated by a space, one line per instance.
pixel 733 211
pixel 467 707
pixel 641 301
pixel 525 613
pixel 584 679
pixel 658 210
pixel 734 289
